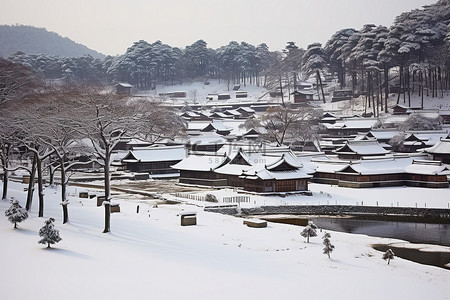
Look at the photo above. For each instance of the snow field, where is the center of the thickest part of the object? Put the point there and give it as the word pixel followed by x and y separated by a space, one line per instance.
pixel 149 255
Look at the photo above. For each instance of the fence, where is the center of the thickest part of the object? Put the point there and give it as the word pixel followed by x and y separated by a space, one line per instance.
pixel 236 199
pixel 190 196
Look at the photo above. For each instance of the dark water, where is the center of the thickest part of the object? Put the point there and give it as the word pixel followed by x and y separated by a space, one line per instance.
pixel 420 233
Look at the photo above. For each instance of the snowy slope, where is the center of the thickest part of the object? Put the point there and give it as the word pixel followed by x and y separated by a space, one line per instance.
pixel 149 255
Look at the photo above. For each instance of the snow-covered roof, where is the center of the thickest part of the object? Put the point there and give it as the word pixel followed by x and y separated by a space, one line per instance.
pixel 154 154
pixel 264 174
pixel 414 164
pixel 233 112
pixel 441 147
pixel 363 147
pixel 207 139
pixel 429 137
pixel 246 109
pixel 384 134
pixel 201 162
pixel 217 125
pixel 124 84
pixel 428 168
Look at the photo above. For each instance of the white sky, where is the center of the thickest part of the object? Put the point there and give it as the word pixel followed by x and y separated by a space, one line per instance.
pixel 111 26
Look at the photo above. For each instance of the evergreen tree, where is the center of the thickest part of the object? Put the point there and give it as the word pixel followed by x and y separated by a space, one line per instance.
pixel 309 231
pixel 49 234
pixel 16 213
pixel 388 255
pixel 328 247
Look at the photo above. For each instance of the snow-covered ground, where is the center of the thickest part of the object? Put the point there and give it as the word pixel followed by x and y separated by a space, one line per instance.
pixel 324 194
pixel 149 255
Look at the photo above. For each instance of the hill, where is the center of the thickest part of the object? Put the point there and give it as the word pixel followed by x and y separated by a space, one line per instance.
pixel 32 40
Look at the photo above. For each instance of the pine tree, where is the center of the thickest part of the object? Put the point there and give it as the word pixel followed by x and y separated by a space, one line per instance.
pixel 328 246
pixel 16 213
pixel 309 231
pixel 49 234
pixel 388 255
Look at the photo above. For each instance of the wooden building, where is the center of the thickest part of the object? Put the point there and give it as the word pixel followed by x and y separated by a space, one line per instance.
pixel 354 150
pixel 440 151
pixel 302 96
pixel 383 172
pixel 123 88
pixel 154 160
pixel 260 171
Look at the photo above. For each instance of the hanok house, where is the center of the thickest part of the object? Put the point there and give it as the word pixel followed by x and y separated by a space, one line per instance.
pixel 354 150
pixel 440 151
pixel 218 127
pixel 302 96
pixel 154 160
pixel 382 172
pixel 123 88
pixel 241 94
pixel 425 173
pixel 277 177
pixel 350 126
pixel 400 109
pixel 199 169
pixel 265 171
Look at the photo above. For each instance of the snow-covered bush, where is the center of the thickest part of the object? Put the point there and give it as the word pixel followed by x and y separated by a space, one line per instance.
pixel 388 255
pixel 16 213
pixel 328 247
pixel 211 198
pixel 309 231
pixel 49 234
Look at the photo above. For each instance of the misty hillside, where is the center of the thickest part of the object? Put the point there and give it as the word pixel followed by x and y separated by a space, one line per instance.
pixel 32 40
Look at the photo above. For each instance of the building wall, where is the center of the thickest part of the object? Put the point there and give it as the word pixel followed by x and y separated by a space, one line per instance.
pixel 381 180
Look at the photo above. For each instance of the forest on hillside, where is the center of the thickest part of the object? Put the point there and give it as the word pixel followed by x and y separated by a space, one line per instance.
pixel 411 56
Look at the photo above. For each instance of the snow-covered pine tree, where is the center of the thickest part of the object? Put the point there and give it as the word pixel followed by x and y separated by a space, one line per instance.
pixel 309 231
pixel 16 213
pixel 388 255
pixel 49 234
pixel 328 247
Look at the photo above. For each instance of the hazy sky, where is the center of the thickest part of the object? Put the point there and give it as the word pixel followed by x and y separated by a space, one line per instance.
pixel 111 26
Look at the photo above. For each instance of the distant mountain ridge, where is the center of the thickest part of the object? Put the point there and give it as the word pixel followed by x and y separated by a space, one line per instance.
pixel 33 40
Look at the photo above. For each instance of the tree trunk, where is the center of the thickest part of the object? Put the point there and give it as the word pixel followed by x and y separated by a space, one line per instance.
pixel 31 184
pixel 5 164
pixel 107 192
pixel 40 186
pixel 5 185
pixel 321 86
pixel 386 87
pixel 281 90
pixel 400 83
pixel 64 191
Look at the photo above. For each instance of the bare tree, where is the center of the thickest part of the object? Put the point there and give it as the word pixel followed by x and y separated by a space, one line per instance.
pixel 282 122
pixel 106 118
pixel 16 81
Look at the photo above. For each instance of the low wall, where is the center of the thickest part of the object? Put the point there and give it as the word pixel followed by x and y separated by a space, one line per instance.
pixel 427 215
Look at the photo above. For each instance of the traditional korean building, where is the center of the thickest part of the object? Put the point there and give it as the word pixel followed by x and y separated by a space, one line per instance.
pixel 402 170
pixel 218 127
pixel 199 169
pixel 255 169
pixel 440 151
pixel 154 160
pixel 302 96
pixel 355 150
pixel 123 88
